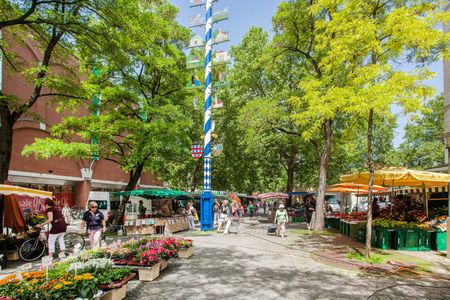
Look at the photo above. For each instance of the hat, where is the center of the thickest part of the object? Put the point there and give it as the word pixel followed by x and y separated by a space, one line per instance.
pixel 281 206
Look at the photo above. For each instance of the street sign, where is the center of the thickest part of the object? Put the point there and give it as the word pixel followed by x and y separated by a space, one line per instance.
pixel 197 151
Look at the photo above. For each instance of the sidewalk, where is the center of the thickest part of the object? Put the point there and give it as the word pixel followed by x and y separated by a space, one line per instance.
pixel 253 265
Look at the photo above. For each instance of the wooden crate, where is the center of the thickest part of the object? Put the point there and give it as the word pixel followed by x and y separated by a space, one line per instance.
pixel 149 274
pixel 115 294
pixel 185 253
pixel 164 264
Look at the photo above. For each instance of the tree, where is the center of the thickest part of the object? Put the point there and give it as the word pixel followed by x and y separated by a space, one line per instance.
pixel 364 38
pixel 56 28
pixel 423 145
pixel 143 124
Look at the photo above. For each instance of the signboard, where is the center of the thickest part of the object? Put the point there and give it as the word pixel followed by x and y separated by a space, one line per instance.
pixel 221 15
pixel 217 103
pixel 197 151
pixel 197 20
pixel 194 61
pixel 37 205
pixel 198 2
pixel 221 57
pixel 220 37
pixel 217 149
pixel 196 41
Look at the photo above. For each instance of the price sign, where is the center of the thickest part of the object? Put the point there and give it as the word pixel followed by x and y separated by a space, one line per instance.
pixel 47 261
pixel 26 267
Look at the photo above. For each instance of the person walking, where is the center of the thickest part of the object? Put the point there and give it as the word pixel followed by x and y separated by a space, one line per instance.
pixel 251 209
pixel 281 218
pixel 310 208
pixel 67 213
pixel 191 212
pixel 95 222
pixel 233 217
pixel 216 212
pixel 58 230
pixel 223 218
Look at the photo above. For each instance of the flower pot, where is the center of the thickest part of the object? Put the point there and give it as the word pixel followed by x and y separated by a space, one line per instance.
pixel 149 274
pixel 115 294
pixel 134 263
pixel 185 252
pixel 164 264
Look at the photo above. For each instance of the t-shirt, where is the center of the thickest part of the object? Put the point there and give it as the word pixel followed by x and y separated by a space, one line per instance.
pixel 94 221
pixel 281 216
pixel 216 208
pixel 250 207
pixel 59 223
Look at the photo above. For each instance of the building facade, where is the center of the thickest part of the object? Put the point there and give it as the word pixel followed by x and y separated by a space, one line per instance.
pixel 61 176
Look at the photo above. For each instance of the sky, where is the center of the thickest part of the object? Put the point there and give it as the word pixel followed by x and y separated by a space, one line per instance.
pixel 247 13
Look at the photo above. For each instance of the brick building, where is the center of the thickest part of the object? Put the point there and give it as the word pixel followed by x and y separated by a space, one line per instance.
pixel 62 176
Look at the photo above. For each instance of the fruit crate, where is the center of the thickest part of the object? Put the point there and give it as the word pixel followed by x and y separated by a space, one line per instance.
pixel 439 241
pixel 425 240
pixel 408 240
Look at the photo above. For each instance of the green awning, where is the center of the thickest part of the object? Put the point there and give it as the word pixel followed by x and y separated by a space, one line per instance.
pixel 161 194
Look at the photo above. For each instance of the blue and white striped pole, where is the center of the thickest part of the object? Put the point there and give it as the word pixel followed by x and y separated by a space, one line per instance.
pixel 206 203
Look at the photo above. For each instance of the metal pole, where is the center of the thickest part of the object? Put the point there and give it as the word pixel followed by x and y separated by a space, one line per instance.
pixel 207 197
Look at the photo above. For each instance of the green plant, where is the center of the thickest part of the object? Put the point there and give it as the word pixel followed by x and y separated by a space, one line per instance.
pixel 374 258
pixel 114 275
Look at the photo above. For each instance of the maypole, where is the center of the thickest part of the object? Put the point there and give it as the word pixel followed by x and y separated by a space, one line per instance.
pixel 206 201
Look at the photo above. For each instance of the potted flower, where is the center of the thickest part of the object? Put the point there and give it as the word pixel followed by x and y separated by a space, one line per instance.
pixel 185 250
pixel 114 282
pixel 149 258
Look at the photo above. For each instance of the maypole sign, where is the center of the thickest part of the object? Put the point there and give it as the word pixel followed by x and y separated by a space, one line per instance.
pixel 193 62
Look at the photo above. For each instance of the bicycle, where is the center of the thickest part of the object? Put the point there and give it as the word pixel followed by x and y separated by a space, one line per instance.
pixel 35 247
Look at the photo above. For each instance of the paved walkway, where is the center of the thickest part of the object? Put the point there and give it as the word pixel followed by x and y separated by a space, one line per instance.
pixel 253 265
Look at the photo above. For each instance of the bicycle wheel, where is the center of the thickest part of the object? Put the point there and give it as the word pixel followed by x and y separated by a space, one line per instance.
pixel 73 238
pixel 32 249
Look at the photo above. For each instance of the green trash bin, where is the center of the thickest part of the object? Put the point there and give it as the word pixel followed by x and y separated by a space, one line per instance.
pixel 439 241
pixel 327 223
pixel 347 228
pixel 408 240
pixel 341 226
pixel 424 240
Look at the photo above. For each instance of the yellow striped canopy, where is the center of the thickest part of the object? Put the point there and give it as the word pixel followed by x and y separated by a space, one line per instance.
pixel 21 191
pixel 396 176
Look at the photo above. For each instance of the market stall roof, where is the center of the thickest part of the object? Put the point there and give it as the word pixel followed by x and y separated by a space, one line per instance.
pixel 350 187
pixel 300 193
pixel 273 196
pixel 152 193
pixel 21 191
pixel 396 176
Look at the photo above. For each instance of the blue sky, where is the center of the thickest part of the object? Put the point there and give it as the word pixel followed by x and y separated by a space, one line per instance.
pixel 247 13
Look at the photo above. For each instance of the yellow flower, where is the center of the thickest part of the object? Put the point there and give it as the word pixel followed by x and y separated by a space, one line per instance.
pixel 58 286
pixel 78 277
pixel 30 288
pixel 87 276
pixel 67 282
pixel 34 281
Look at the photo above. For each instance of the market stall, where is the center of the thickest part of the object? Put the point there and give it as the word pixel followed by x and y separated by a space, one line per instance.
pixel 13 223
pixel 155 221
pixel 407 224
pixel 273 199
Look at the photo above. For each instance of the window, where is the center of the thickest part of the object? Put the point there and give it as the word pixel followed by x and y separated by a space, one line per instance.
pixel 101 204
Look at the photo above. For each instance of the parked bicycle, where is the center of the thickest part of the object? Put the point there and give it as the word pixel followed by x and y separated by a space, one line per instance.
pixel 35 247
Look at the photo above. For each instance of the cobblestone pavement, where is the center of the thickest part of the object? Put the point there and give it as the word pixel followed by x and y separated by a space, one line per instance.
pixel 253 265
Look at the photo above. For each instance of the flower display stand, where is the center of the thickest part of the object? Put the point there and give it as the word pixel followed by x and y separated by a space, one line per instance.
pixel 115 294
pixel 149 274
pixel 185 253
pixel 164 264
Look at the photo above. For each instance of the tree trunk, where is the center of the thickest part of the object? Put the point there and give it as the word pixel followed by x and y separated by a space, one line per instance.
pixel 371 175
pixel 323 170
pixel 134 178
pixel 6 140
pixel 290 173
